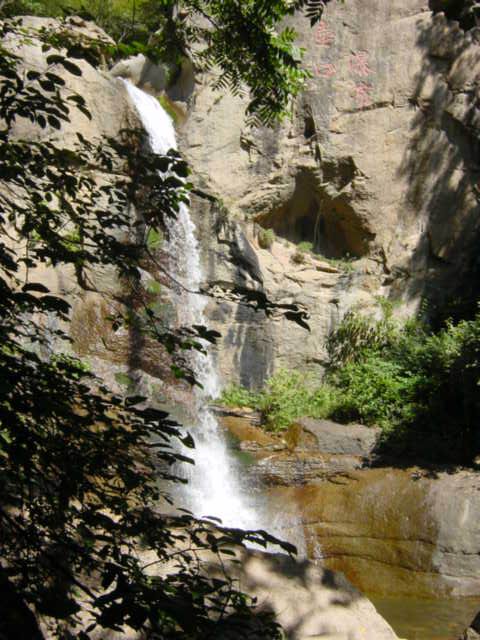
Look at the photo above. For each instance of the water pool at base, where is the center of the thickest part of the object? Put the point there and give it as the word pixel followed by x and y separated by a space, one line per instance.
pixel 416 619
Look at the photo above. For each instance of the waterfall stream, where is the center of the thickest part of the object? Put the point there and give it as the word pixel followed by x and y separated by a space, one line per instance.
pixel 215 487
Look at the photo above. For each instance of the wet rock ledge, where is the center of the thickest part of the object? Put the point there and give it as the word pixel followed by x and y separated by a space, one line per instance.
pixel 410 531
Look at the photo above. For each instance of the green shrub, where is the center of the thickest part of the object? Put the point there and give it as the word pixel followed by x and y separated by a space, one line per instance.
pixel 305 247
pixel 345 264
pixel 400 377
pixel 377 391
pixel 103 11
pixel 358 334
pixel 154 239
pixel 237 396
pixel 406 379
pixel 298 257
pixel 168 106
pixel 287 396
pixel 266 238
pixel 302 249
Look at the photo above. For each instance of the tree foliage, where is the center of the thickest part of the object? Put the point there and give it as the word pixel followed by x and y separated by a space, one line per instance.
pixel 85 473
pixel 239 39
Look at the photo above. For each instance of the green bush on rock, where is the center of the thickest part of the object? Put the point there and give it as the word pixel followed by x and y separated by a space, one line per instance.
pixel 266 238
pixel 237 396
pixel 287 395
pixel 402 377
pixel 377 391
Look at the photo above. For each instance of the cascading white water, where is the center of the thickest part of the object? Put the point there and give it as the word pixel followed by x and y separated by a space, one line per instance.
pixel 215 487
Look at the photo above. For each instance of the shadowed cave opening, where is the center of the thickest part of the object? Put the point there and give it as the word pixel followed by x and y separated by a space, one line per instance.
pixel 321 213
pixel 466 12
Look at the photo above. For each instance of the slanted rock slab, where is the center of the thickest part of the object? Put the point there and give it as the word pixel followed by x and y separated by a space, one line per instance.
pixel 308 601
pixel 330 437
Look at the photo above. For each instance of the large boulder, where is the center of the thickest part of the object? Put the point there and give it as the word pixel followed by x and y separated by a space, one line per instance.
pixel 317 450
pixel 331 437
pixel 308 451
pixel 405 532
pixel 105 97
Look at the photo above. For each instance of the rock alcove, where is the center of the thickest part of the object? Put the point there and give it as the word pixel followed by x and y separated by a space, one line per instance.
pixel 325 210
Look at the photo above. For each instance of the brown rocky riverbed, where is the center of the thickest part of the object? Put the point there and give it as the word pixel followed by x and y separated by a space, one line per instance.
pixel 408 537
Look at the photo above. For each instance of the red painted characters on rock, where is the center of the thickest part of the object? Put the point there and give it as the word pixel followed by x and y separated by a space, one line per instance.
pixel 363 98
pixel 359 64
pixel 324 69
pixel 323 35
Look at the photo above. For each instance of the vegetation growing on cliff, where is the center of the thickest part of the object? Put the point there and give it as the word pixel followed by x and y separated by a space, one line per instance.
pixel 287 395
pixel 421 387
pixel 412 382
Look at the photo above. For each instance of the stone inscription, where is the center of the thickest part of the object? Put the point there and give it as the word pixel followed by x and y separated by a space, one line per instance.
pixel 359 66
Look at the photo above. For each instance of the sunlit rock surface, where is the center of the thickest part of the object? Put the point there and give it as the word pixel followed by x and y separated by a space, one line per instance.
pixel 310 602
pixel 379 165
pixel 408 532
pixel 392 531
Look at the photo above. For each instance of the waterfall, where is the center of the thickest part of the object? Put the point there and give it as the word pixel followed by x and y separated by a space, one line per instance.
pixel 215 487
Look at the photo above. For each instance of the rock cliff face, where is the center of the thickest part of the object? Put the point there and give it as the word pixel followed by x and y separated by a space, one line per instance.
pixel 121 357
pixel 378 166
pixel 378 170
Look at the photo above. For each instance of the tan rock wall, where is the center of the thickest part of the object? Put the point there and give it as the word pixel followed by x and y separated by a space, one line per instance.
pixel 379 162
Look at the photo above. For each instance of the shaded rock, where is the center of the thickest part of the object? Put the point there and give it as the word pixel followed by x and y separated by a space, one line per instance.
pixel 126 358
pixel 310 602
